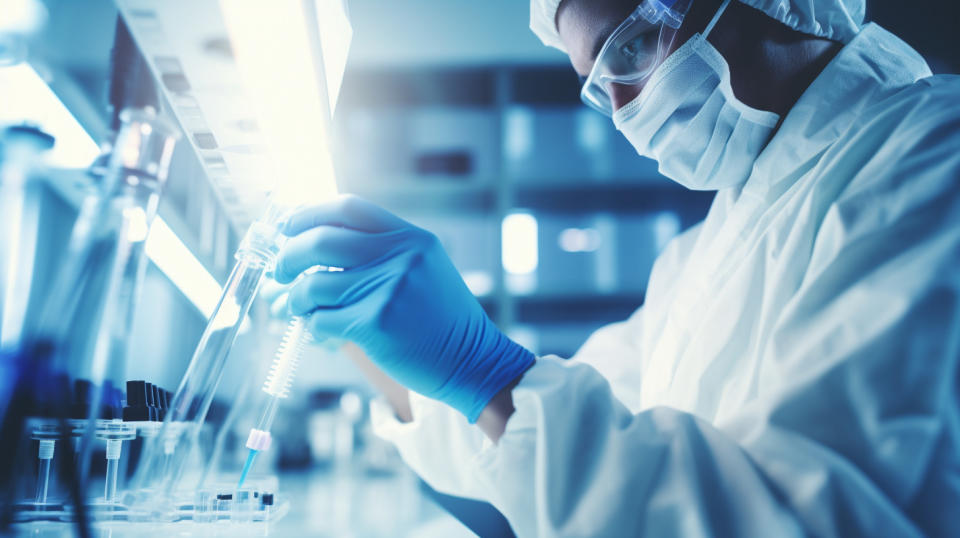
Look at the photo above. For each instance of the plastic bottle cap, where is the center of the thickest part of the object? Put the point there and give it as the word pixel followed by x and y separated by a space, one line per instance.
pixel 137 408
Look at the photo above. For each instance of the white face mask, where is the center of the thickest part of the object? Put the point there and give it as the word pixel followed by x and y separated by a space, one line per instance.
pixel 688 120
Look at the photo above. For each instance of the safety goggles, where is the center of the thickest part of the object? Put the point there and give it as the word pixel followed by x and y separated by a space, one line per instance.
pixel 634 50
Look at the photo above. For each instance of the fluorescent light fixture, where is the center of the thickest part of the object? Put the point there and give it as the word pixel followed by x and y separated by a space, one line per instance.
pixel 22 16
pixel 592 131
pixel 335 36
pixel 665 227
pixel 518 132
pixel 519 231
pixel 26 97
pixel 176 261
pixel 136 219
pixel 579 240
pixel 480 283
pixel 276 46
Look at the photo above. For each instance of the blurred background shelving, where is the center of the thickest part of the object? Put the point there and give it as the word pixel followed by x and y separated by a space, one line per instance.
pixel 550 215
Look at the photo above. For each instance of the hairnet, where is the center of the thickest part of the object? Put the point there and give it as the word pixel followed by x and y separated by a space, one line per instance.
pixel 543 22
pixel 839 20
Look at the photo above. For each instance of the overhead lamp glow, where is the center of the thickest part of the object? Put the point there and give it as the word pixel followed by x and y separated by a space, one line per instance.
pixel 136 219
pixel 665 227
pixel 26 97
pixel 519 232
pixel 335 36
pixel 277 48
pixel 480 283
pixel 579 240
pixel 171 256
pixel 22 16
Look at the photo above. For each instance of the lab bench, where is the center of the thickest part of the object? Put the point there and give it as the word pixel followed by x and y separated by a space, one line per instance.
pixel 318 503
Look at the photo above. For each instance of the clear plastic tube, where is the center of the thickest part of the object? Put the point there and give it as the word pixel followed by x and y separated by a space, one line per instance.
pixel 21 150
pixel 43 480
pixel 114 432
pixel 110 485
pixel 165 457
pixel 46 436
pixel 277 386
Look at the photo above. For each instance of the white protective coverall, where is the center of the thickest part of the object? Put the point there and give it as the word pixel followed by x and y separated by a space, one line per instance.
pixel 794 369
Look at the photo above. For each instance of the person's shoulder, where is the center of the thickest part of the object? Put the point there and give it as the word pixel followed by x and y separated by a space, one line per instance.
pixel 906 153
pixel 918 122
pixel 929 103
pixel 940 83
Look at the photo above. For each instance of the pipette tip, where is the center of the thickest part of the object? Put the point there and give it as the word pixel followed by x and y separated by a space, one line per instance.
pixel 246 467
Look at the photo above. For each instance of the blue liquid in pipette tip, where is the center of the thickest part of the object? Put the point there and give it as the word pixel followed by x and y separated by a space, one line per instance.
pixel 246 467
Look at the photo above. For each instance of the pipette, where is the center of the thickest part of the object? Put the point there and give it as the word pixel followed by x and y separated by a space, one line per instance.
pixel 277 386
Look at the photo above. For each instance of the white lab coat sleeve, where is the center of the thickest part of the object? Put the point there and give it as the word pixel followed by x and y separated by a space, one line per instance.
pixel 856 421
pixel 574 461
pixel 441 446
pixel 438 444
pixel 613 350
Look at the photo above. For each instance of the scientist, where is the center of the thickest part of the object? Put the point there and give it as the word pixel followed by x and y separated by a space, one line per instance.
pixel 794 369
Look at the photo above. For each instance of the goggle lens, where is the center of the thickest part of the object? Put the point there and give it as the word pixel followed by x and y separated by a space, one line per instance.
pixel 630 55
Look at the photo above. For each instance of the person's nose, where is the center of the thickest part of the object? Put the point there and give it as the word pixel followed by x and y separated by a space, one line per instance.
pixel 621 94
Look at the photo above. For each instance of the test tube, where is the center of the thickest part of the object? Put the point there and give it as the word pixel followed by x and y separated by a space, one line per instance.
pixel 164 459
pixel 46 435
pixel 243 506
pixel 114 432
pixel 204 506
pixel 277 386
pixel 77 427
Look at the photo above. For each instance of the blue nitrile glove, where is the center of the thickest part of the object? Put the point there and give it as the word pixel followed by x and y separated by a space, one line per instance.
pixel 400 299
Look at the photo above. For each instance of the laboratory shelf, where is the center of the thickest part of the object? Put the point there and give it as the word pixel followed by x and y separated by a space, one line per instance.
pixel 587 196
pixel 431 196
pixel 618 197
pixel 574 307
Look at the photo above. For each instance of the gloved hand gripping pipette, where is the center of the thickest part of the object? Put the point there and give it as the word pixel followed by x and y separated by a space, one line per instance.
pixel 277 386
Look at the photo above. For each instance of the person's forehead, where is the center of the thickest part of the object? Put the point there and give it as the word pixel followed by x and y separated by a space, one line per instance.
pixel 584 25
